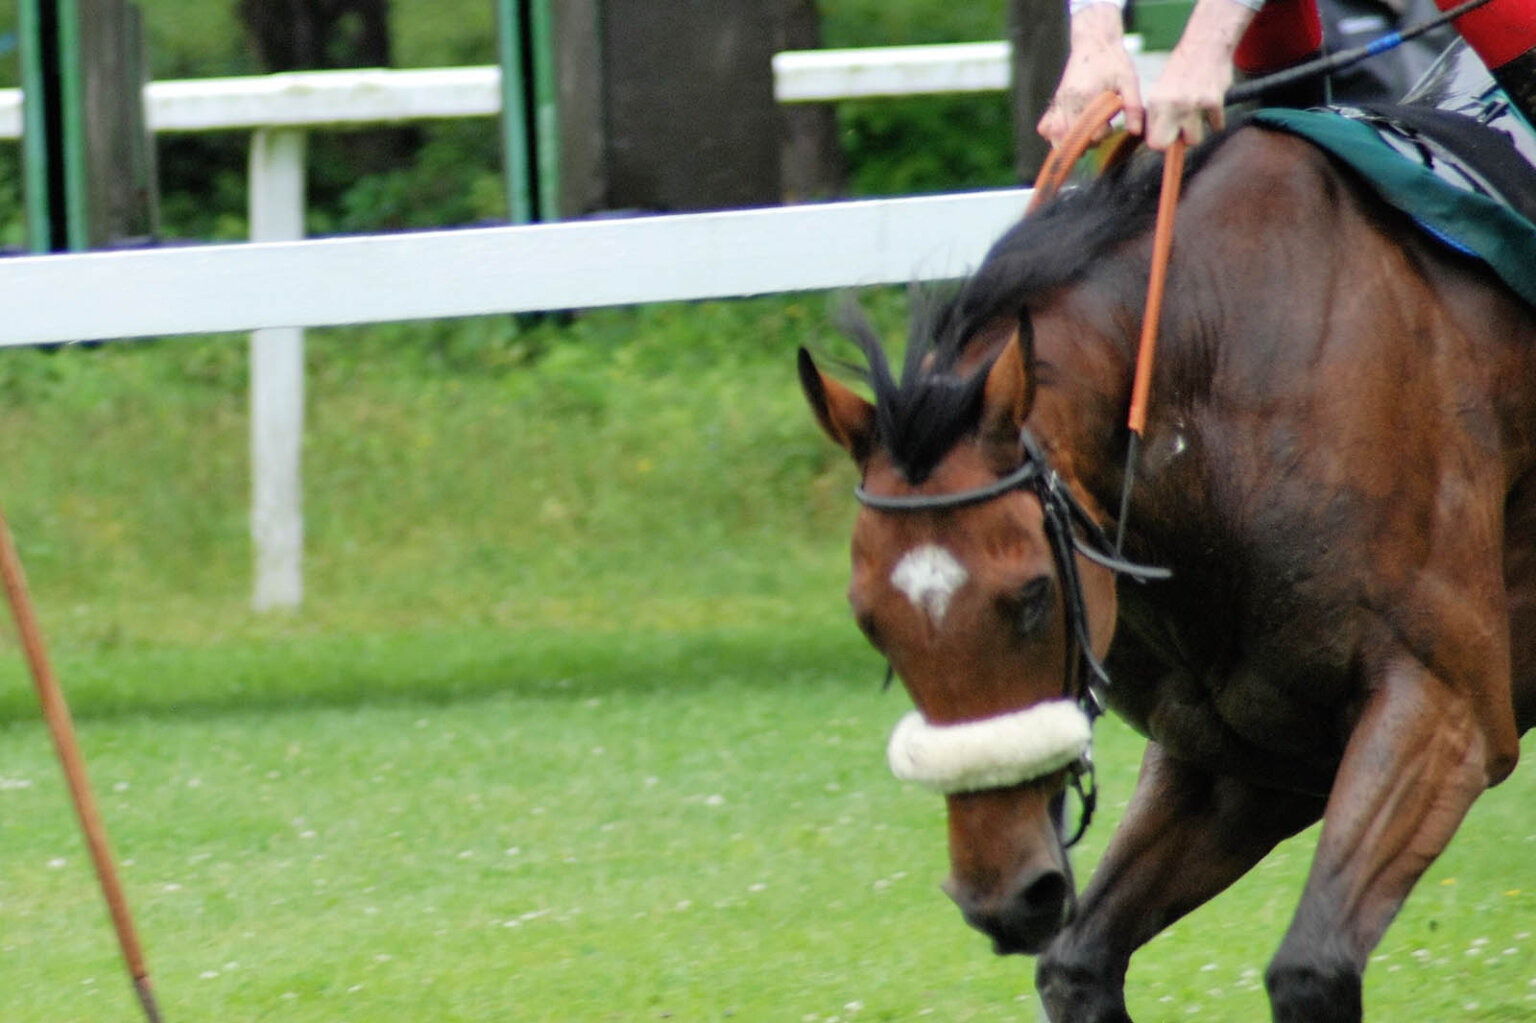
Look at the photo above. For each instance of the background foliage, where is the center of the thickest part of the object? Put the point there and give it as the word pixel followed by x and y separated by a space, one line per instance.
pixel 449 173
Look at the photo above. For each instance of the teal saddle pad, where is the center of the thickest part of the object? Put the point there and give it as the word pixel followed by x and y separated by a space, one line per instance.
pixel 1462 175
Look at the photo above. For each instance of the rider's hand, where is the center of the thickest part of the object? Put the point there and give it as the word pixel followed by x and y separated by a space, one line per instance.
pixel 1191 92
pixel 1097 64
pixel 1187 98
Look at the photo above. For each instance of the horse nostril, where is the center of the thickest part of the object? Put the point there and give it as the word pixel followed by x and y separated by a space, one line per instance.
pixel 1023 919
pixel 1039 901
pixel 1045 895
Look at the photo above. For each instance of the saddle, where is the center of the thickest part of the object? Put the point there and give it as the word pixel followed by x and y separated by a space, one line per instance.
pixel 1454 155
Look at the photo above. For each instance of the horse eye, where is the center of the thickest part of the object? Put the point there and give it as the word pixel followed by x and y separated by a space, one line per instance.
pixel 1032 605
pixel 867 626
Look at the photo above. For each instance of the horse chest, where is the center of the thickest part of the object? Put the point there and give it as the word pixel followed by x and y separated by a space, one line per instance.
pixel 1211 693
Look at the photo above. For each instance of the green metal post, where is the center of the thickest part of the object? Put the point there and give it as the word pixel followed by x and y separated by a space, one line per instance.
pixel 515 150
pixel 34 133
pixel 76 188
pixel 546 107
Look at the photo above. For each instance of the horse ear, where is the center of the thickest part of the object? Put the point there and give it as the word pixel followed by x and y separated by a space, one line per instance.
pixel 844 416
pixel 1010 388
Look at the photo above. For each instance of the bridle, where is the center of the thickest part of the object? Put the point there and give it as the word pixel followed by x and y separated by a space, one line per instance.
pixel 1069 530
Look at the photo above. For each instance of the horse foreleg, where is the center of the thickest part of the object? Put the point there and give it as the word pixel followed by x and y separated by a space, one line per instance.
pixel 1186 835
pixel 1413 765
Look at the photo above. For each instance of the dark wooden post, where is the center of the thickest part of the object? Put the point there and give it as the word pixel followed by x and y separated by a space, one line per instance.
pixel 90 167
pixel 692 122
pixel 1038 29
pixel 122 200
pixel 580 80
pixel 671 106
pixel 812 165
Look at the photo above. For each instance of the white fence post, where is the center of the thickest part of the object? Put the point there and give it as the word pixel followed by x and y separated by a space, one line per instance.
pixel 277 384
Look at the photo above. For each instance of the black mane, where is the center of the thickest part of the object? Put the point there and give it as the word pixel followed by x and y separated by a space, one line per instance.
pixel 932 407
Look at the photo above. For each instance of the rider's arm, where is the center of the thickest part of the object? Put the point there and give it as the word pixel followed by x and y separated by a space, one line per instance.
pixel 1190 92
pixel 1096 63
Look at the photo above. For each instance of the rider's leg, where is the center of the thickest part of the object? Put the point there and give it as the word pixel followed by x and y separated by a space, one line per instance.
pixel 1503 32
pixel 1283 34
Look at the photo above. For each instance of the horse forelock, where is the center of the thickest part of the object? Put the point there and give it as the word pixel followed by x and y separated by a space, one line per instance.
pixel 935 404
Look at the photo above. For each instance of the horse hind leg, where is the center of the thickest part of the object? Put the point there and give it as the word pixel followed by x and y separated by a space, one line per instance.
pixel 1414 764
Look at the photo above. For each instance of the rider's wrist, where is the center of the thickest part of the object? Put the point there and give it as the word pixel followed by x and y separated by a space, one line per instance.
pixel 1097 23
pixel 1075 7
pixel 1214 29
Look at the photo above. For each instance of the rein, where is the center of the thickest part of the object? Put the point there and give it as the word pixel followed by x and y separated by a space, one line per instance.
pixel 1069 529
pixel 1053 175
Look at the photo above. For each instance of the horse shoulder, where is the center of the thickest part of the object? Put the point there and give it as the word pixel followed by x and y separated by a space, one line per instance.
pixel 1346 437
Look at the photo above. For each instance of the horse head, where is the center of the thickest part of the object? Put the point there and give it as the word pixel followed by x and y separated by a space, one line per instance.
pixel 965 578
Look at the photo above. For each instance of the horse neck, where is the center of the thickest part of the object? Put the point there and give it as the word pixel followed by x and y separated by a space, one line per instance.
pixel 1084 363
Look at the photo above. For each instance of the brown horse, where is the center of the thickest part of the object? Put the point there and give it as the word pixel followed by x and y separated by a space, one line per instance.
pixel 1338 470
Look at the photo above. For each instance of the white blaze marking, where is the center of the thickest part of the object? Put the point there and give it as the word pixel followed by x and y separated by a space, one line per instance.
pixel 929 576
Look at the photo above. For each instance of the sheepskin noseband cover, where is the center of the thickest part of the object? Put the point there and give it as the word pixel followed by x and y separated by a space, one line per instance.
pixel 991 753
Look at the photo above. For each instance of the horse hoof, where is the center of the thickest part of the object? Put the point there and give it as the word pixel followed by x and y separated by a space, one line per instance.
pixel 1076 995
pixel 1314 993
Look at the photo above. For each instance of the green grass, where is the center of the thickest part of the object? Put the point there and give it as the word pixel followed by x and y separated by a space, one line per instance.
pixel 607 826
pixel 474 472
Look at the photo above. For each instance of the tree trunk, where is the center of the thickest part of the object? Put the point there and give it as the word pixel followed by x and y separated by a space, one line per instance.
pixel 1038 29
pixel 812 158
pixel 293 35
pixel 318 35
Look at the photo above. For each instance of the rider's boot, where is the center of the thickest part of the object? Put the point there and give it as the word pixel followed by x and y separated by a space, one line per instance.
pixel 1503 32
pixel 1518 78
pixel 1283 34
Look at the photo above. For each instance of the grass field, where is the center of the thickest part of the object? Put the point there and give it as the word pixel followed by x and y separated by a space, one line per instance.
pixel 604 826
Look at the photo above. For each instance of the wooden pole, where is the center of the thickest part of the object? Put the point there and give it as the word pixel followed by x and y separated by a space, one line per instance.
pixel 56 711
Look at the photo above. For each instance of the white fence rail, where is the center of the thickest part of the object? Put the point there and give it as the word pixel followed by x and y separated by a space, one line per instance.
pixel 821 76
pixel 585 264
pixel 307 99
pixel 278 286
pixel 818 76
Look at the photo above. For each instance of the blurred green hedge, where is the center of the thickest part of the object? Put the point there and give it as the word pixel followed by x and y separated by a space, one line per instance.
pixel 442 174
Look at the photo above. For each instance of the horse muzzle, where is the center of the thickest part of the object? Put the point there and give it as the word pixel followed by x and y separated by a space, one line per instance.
pixel 1002 779
pixel 1024 917
pixel 1009 873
